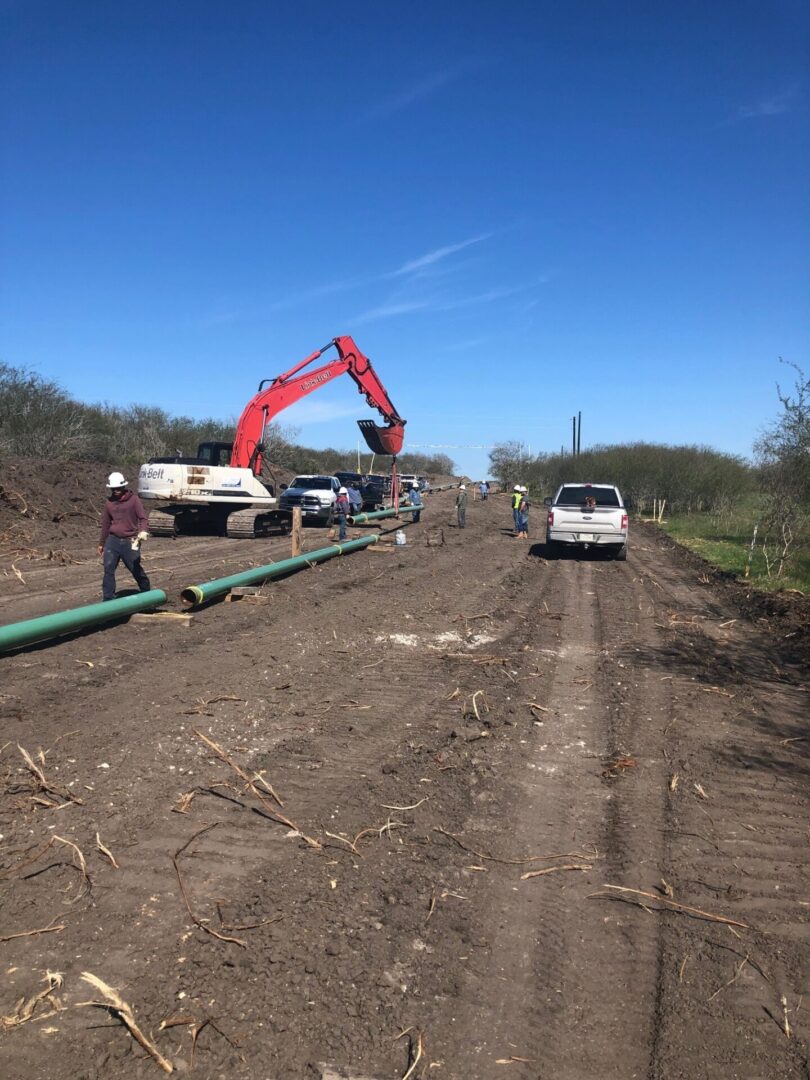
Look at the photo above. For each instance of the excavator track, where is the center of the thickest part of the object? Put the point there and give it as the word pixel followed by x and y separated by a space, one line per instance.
pixel 162 524
pixel 248 524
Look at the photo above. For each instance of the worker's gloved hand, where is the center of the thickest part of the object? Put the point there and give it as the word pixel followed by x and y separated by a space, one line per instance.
pixel 143 536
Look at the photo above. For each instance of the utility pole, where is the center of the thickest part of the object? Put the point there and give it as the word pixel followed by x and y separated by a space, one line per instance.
pixel 574 435
pixel 579 431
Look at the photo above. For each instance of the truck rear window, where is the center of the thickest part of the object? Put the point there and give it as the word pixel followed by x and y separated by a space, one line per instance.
pixel 313 483
pixel 576 494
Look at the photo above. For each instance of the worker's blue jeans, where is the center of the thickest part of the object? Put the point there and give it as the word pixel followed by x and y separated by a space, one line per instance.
pixel 341 520
pixel 119 549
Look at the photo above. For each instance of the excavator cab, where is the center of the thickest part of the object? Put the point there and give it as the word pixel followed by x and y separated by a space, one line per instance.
pixel 382 440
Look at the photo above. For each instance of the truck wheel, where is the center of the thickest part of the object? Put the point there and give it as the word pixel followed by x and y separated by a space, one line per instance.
pixel 621 554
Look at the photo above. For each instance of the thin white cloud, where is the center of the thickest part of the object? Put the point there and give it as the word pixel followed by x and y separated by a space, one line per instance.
pixel 491 295
pixel 432 257
pixel 417 91
pixel 437 303
pixel 387 311
pixel 411 268
pixel 773 105
pixel 316 292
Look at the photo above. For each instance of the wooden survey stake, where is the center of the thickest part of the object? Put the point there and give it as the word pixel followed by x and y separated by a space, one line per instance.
pixel 295 532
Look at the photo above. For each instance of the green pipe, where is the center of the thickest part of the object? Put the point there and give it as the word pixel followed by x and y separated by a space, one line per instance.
pixel 199 594
pixel 375 515
pixel 15 635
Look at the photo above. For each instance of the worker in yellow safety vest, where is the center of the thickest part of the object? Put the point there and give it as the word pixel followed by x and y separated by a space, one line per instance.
pixel 517 495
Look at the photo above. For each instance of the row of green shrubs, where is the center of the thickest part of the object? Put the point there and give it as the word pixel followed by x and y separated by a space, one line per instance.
pixel 40 419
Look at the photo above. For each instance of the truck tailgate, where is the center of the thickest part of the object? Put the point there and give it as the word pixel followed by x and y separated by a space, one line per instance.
pixel 603 520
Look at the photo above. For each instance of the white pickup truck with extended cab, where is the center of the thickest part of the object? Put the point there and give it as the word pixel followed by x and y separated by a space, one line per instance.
pixel 314 494
pixel 585 516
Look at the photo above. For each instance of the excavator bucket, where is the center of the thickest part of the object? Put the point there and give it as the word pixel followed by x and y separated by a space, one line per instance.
pixel 382 440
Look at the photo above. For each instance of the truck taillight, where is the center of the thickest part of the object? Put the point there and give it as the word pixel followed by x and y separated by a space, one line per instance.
pixel 551 517
pixel 624 521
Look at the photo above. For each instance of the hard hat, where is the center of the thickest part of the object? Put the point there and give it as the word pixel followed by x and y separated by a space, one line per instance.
pixel 415 484
pixel 116 480
pixel 343 491
pixel 516 487
pixel 463 487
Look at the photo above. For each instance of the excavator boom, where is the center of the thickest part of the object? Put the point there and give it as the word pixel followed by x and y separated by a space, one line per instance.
pixel 286 389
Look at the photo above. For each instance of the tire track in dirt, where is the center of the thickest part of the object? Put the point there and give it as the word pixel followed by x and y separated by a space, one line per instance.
pixel 581 975
pixel 739 831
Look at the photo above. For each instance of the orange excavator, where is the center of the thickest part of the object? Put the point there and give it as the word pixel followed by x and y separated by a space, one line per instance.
pixel 221 488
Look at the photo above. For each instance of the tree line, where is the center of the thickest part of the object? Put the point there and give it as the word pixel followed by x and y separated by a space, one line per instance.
pixel 38 418
pixel 688 477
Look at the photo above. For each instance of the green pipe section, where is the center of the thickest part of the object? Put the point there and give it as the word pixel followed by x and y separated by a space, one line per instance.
pixel 375 515
pixel 60 623
pixel 199 594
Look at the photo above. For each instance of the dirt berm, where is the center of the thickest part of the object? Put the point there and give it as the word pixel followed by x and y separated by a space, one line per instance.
pixel 532 819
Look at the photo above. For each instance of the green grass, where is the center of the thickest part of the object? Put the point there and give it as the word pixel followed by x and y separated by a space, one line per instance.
pixel 725 541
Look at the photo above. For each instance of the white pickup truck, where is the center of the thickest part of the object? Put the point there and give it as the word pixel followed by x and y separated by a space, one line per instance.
pixel 314 494
pixel 585 516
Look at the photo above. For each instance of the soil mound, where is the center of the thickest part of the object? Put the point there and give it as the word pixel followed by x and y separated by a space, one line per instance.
pixel 50 509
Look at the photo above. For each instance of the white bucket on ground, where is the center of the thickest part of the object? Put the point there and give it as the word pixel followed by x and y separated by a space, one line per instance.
pixel 400 539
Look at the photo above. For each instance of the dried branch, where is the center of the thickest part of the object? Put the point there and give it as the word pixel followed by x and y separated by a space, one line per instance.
pixel 733 979
pixel 515 862
pixel 115 1004
pixel 240 772
pixel 195 918
pixel 554 869
pixel 24 1010
pixel 43 783
pixel 52 928
pixel 413 1057
pixel 685 909
pixel 82 867
pixel 413 806
pixel 106 851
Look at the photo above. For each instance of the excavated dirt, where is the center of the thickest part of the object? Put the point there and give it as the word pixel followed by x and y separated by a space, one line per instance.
pixel 440 720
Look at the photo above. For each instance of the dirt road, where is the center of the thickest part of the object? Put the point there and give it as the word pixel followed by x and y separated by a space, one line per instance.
pixel 441 722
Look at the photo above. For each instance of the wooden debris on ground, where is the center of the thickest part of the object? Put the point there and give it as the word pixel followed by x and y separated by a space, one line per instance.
pixel 254 594
pixel 554 869
pixel 684 909
pixel 267 808
pixel 115 1004
pixel 46 786
pixel 515 862
pixel 201 923
pixel 52 928
pixel 25 1009
pixel 147 618
pixel 415 1050
pixel 618 765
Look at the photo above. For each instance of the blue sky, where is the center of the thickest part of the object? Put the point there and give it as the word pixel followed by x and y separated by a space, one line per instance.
pixel 519 210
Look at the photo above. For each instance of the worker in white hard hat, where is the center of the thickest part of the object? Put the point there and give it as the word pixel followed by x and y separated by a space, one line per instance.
pixel 516 496
pixel 124 525
pixel 461 506
pixel 341 510
pixel 415 499
pixel 523 515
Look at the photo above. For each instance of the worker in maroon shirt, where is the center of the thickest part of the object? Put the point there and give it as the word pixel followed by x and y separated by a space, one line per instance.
pixel 123 530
